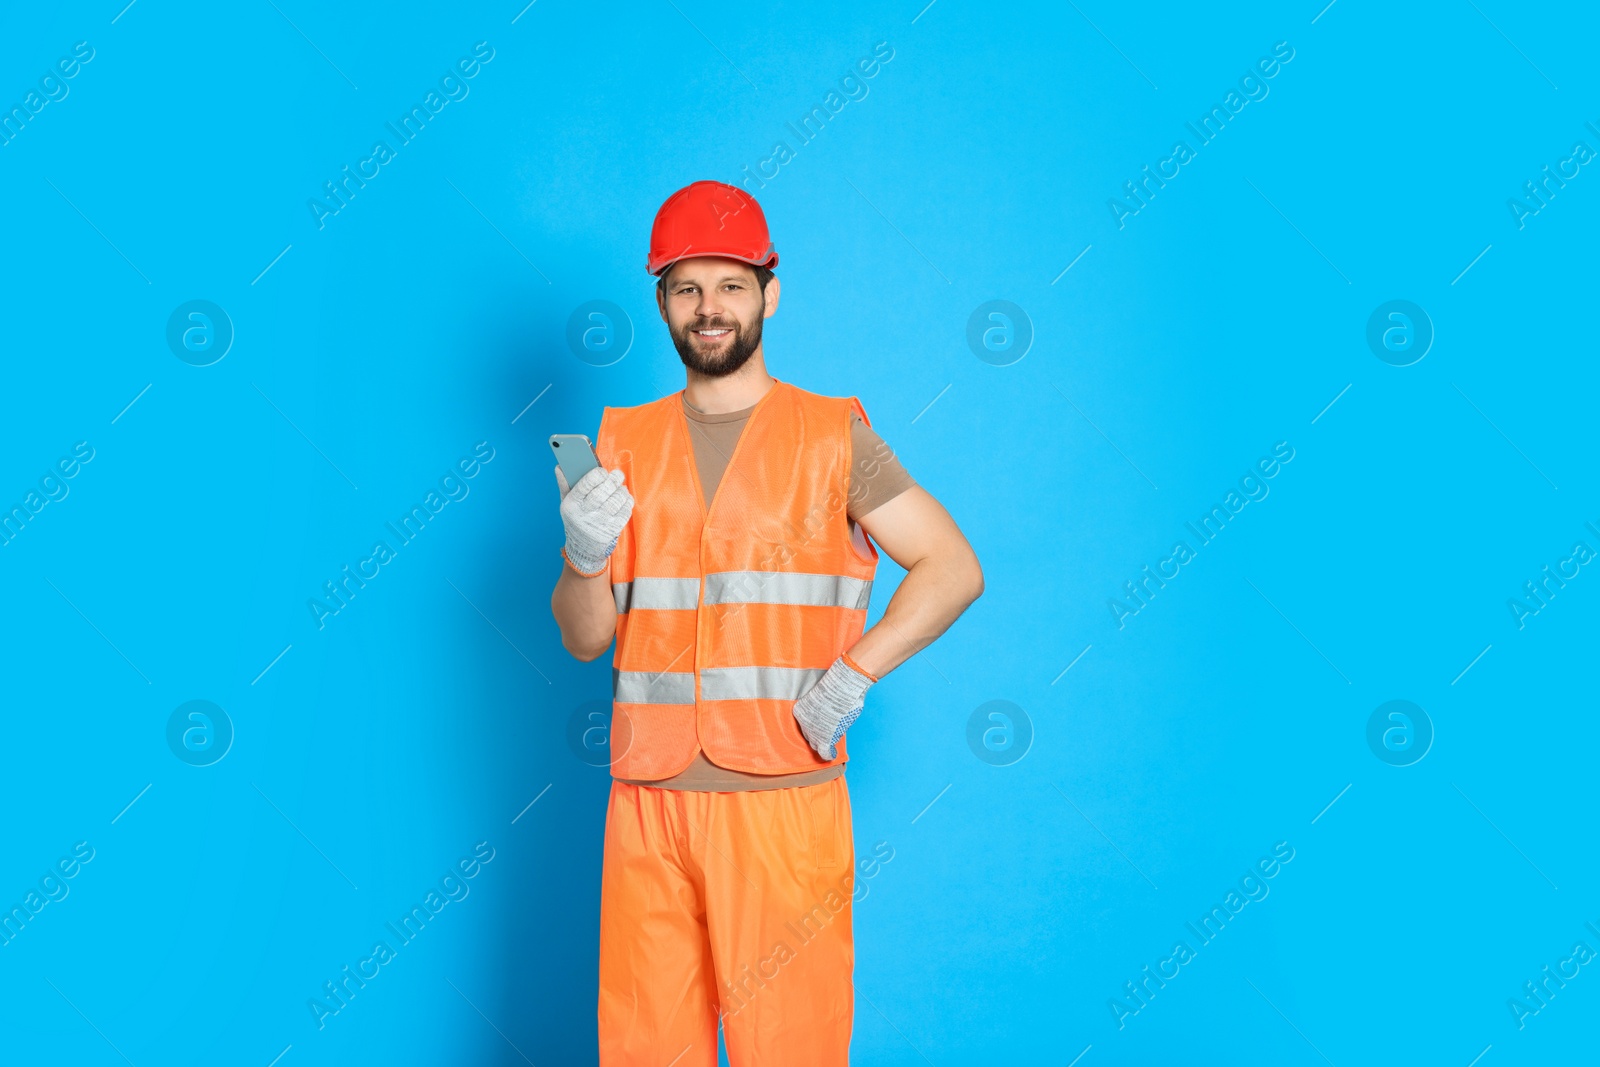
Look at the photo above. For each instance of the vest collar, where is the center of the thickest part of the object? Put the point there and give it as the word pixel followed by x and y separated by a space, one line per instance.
pixel 681 421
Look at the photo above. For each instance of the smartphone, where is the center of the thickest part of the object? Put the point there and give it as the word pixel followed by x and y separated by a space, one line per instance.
pixel 574 454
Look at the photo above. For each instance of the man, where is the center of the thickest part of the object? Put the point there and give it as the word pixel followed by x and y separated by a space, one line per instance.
pixel 723 541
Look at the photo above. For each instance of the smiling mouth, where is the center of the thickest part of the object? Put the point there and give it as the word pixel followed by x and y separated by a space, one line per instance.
pixel 713 335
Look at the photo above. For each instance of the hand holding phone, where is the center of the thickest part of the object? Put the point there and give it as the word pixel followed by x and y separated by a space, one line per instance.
pixel 594 512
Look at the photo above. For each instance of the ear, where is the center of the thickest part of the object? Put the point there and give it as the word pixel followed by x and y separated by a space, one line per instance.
pixel 772 293
pixel 661 302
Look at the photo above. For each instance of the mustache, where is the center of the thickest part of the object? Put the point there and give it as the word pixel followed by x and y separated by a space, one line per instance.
pixel 712 324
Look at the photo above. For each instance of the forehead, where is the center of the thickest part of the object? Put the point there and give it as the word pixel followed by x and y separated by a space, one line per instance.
pixel 708 270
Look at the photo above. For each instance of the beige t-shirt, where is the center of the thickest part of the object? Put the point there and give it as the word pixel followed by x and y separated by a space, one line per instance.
pixel 876 477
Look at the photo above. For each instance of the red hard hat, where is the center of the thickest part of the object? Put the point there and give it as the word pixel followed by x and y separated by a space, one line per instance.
pixel 710 219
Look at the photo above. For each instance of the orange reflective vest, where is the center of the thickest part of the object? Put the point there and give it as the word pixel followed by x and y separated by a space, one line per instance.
pixel 726 615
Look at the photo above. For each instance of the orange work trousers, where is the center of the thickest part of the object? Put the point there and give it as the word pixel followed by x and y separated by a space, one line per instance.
pixel 731 906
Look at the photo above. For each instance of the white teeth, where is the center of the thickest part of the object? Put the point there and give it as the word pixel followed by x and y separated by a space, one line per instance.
pixel 711 333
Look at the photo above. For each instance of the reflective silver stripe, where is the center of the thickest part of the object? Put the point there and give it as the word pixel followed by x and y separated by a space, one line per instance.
pixel 788 587
pixel 657 593
pixel 757 683
pixel 649 687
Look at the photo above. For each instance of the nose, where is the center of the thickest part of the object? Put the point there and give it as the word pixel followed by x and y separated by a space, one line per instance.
pixel 708 306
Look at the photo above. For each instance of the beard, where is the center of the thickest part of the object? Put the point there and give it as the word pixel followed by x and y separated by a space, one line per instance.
pixel 735 353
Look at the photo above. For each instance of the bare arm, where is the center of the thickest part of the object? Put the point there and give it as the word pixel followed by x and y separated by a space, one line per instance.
pixel 593 512
pixel 586 612
pixel 942 578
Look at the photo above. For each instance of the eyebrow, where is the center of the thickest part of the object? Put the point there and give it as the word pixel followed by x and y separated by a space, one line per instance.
pixel 724 278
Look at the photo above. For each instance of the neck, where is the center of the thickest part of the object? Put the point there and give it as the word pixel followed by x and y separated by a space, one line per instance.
pixel 735 392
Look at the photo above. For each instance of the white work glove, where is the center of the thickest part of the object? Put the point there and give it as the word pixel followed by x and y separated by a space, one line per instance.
pixel 827 709
pixel 594 512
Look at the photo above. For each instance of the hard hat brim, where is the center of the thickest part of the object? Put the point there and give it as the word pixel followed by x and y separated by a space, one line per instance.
pixel 769 261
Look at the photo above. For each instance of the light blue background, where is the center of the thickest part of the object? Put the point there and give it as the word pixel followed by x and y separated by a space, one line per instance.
pixel 428 714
